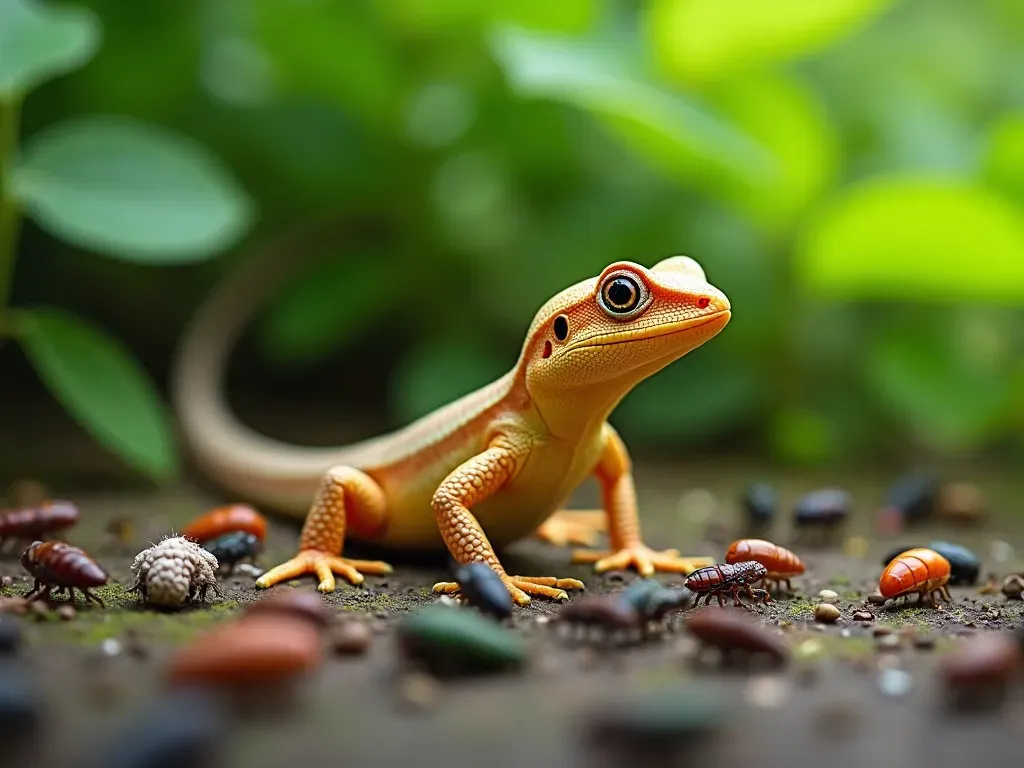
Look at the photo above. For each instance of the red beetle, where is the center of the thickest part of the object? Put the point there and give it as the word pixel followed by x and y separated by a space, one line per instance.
pixel 227 519
pixel 921 571
pixel 782 564
pixel 58 564
pixel 713 580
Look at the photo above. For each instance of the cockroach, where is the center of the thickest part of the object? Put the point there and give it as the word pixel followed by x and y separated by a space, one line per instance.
pixel 917 571
pixel 226 519
pixel 782 564
pixel 714 580
pixel 39 522
pixel 231 548
pixel 58 564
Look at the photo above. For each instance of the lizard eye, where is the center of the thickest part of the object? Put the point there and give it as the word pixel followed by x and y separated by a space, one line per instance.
pixel 622 295
pixel 561 327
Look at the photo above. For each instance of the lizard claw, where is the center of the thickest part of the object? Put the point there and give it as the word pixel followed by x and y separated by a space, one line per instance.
pixel 521 587
pixel 323 566
pixel 645 560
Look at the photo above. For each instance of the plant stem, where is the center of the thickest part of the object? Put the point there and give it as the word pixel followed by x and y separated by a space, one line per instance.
pixel 9 214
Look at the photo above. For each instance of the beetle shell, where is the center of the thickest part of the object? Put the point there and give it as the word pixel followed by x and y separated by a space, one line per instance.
pixel 780 562
pixel 964 564
pixel 59 564
pixel 713 577
pixel 233 547
pixel 484 589
pixel 920 570
pixel 226 519
pixel 35 522
pixel 913 496
pixel 827 505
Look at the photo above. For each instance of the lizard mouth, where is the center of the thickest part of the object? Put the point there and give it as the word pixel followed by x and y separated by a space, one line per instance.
pixel 654 332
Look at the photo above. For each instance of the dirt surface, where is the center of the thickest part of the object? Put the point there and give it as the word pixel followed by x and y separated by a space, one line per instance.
pixel 827 706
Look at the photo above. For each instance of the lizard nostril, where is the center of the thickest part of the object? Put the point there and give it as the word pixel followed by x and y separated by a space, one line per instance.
pixel 703 302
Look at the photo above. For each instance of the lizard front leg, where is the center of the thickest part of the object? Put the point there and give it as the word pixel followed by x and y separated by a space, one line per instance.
pixel 615 475
pixel 472 482
pixel 344 491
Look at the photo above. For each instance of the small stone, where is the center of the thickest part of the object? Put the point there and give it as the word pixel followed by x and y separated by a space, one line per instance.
pixel 866 616
pixel 881 630
pixel 877 598
pixel 66 613
pixel 809 649
pixel 10 635
pixel 767 691
pixel 37 609
pixel 351 638
pixel 419 690
pixel 924 642
pixel 826 613
pixel 543 619
pixel 895 682
pixel 6 582
pixel 111 647
pixel 888 642
pixel 248 569
pixel 14 605
pixel 828 594
pixel 1013 586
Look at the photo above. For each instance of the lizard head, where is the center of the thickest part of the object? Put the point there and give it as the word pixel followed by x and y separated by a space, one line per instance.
pixel 593 342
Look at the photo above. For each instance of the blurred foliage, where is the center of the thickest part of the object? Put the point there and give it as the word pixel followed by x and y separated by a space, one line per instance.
pixel 850 173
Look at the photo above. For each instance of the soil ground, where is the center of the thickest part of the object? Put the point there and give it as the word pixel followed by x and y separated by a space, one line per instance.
pixel 352 712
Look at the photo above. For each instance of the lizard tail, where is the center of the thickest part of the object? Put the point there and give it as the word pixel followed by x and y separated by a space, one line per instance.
pixel 235 457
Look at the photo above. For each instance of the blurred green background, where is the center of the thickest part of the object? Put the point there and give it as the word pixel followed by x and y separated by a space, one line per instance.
pixel 849 172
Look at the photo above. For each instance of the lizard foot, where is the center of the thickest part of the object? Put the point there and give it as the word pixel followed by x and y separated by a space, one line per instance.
pixel 645 560
pixel 572 526
pixel 521 587
pixel 323 566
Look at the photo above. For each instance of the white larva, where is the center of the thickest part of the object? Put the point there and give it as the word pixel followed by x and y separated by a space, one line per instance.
pixel 174 572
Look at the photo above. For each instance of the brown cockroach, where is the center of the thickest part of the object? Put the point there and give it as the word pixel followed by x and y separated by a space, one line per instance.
pixel 61 565
pixel 31 523
pixel 714 580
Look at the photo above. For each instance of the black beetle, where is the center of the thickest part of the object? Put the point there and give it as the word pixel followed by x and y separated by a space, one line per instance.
pixel 964 565
pixel 823 507
pixel 483 589
pixel 232 548
pixel 760 502
pixel 913 497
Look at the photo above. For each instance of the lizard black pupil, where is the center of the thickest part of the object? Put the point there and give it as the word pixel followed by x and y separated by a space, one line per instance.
pixel 621 294
pixel 561 327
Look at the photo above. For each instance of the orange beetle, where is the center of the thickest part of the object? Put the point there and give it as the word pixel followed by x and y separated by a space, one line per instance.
pixel 227 519
pixel 922 571
pixel 782 564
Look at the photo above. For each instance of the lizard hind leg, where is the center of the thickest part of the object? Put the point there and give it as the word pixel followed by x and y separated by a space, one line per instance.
pixel 573 526
pixel 342 491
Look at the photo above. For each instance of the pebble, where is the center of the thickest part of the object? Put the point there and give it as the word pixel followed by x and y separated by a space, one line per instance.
pixel 484 590
pixel 809 649
pixel 37 609
pixel 889 642
pixel 419 690
pixel 253 571
pixel 351 638
pixel 828 594
pixel 111 647
pixel 924 642
pixel 767 691
pixel 730 630
pixel 10 635
pixel 1013 586
pixel 66 613
pixel 895 682
pixel 877 598
pixel 881 629
pixel 182 727
pixel 15 605
pixel 826 613
pixel 6 582
pixel 866 616
pixel 447 641
pixel 299 603
pixel 256 649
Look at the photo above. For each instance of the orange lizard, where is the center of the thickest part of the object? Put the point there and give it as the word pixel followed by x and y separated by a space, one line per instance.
pixel 488 469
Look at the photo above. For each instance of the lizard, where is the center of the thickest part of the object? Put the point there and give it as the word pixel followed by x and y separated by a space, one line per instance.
pixel 479 473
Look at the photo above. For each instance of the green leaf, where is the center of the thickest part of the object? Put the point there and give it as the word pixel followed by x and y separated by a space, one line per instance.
pixel 130 190
pixel 95 378
pixel 326 307
pixel 939 389
pixel 915 238
pixel 1003 163
pixel 704 41
pixel 40 41
pixel 668 129
pixel 437 372
pixel 434 15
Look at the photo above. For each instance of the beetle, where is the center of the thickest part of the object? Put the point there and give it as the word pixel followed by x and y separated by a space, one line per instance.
pixel 759 502
pixel 782 564
pixel 226 519
pixel 824 510
pixel 918 571
pixel 37 522
pixel 232 548
pixel 913 497
pixel 713 580
pixel 483 589
pixel 58 564
pixel 964 564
